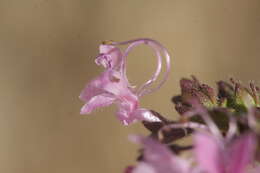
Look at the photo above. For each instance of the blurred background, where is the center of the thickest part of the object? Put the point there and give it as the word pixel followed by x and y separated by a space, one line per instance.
pixel 47 48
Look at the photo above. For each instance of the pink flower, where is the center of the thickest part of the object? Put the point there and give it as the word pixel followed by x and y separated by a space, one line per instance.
pixel 157 158
pixel 217 156
pixel 112 85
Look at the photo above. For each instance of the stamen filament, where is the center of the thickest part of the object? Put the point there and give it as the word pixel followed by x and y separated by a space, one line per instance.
pixel 158 48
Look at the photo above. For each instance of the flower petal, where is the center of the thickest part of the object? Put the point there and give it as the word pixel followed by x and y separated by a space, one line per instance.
pixel 160 158
pixel 144 168
pixel 110 56
pixel 255 170
pixel 129 169
pixel 90 91
pixel 241 153
pixel 208 152
pixel 110 81
pixel 96 102
pixel 146 115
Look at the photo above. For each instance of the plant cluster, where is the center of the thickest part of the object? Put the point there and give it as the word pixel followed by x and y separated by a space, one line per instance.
pixel 224 124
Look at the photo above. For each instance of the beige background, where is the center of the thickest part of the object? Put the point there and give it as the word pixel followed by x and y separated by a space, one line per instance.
pixel 47 49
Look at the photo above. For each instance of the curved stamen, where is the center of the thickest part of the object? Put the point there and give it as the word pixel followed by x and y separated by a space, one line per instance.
pixel 232 129
pixel 252 122
pixel 200 110
pixel 192 125
pixel 158 48
pixel 156 73
pixel 212 126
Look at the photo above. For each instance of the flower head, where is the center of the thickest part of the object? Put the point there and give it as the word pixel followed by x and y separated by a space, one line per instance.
pixel 224 127
pixel 112 86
